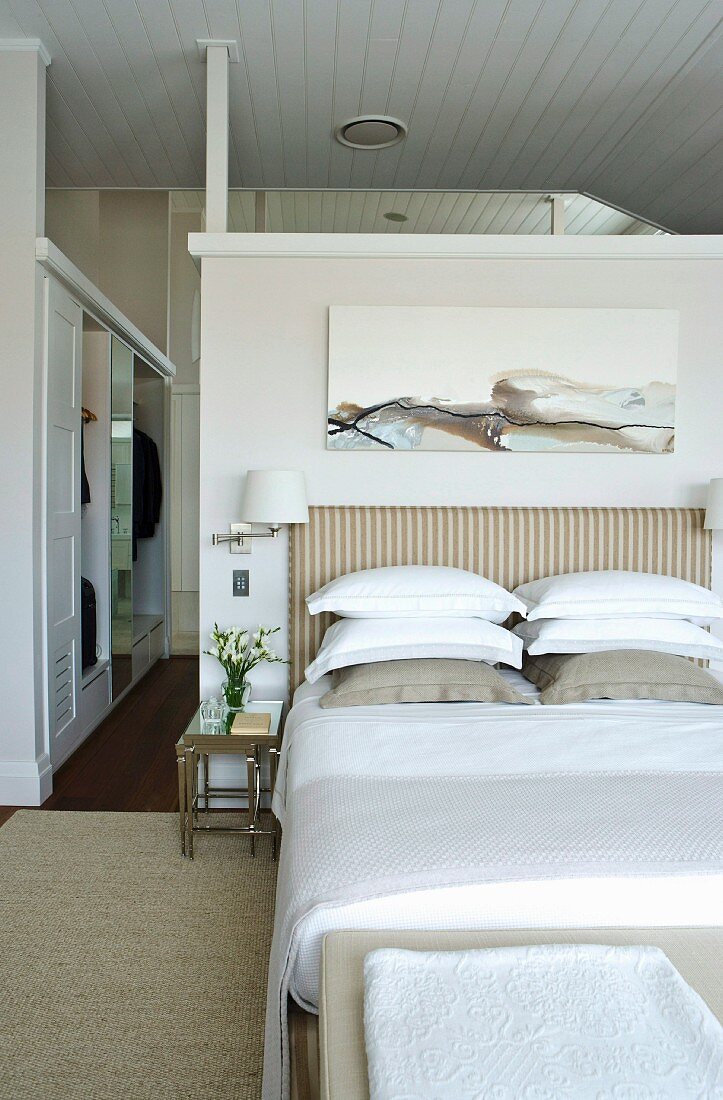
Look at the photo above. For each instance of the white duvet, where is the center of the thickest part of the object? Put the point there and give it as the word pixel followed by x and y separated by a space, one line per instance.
pixel 488 815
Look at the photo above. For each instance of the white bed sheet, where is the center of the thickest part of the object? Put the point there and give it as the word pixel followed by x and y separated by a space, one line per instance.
pixel 491 739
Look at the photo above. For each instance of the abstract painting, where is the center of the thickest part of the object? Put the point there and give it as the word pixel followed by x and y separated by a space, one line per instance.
pixel 506 379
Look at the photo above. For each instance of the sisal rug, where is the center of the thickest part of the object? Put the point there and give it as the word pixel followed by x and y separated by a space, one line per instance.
pixel 126 971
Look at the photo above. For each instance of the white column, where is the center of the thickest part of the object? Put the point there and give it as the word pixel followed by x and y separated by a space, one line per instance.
pixel 24 763
pixel 557 214
pixel 217 138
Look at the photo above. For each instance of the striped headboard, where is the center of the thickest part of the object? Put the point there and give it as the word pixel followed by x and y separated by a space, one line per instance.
pixel 508 545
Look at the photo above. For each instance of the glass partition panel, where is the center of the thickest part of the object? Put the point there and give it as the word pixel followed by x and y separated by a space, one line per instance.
pixel 121 515
pixel 460 212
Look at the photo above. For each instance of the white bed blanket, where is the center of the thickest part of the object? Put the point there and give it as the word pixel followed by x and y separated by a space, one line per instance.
pixel 389 804
pixel 491 738
pixel 578 1021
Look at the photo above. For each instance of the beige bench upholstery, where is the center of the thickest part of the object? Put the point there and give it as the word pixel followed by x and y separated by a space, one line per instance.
pixel 696 952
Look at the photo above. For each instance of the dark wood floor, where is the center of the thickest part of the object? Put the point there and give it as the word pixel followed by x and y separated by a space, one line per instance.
pixel 128 762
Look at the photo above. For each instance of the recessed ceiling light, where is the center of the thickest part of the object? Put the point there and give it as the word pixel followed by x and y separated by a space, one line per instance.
pixel 395 216
pixel 371 132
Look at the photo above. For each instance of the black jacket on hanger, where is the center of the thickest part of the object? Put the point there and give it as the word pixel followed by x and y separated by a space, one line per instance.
pixel 147 488
pixel 84 485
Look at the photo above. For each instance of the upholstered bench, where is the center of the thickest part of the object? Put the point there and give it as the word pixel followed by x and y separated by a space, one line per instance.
pixel 696 952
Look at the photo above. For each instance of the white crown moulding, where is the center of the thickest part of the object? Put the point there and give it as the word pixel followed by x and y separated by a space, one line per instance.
pixel 26 45
pixel 231 45
pixel 438 246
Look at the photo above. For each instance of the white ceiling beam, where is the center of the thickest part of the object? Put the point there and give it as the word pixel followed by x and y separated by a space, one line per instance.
pixel 218 53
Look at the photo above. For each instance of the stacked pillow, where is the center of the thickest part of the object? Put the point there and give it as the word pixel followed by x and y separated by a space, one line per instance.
pixel 418 633
pixel 635 628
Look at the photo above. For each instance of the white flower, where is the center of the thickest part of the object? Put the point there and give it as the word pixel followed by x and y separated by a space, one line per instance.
pixel 239 650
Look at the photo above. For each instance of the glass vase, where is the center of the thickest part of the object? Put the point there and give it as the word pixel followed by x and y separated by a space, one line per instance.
pixel 237 694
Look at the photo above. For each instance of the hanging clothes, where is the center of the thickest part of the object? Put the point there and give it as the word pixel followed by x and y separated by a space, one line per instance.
pixel 153 490
pixel 147 488
pixel 84 484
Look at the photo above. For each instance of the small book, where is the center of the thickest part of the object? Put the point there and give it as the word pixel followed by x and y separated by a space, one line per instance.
pixel 247 722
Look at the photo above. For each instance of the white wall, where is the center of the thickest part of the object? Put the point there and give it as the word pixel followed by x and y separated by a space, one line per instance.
pixel 184 284
pixel 119 240
pixel 184 281
pixel 133 250
pixel 72 221
pixel 263 402
pixel 24 764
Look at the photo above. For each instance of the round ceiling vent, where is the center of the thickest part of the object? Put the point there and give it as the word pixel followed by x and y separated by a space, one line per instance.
pixel 371 132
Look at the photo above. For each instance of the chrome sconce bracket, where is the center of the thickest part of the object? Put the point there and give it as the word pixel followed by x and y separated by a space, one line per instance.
pixel 240 534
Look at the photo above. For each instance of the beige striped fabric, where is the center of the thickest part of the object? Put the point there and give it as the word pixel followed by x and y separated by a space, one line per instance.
pixel 508 545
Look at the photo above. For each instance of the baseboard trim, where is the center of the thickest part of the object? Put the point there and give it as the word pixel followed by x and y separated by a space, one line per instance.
pixel 25 782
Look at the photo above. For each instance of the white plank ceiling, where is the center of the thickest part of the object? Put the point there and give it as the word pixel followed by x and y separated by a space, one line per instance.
pixel 618 98
pixel 425 211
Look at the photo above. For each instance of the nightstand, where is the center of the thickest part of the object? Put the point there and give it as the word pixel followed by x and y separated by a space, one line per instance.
pixel 196 747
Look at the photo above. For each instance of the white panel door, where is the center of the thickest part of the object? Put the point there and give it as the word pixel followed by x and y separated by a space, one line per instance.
pixel 176 491
pixel 63 365
pixel 191 476
pixel 185 475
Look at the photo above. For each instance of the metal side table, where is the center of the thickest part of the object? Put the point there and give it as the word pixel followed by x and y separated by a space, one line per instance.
pixel 195 792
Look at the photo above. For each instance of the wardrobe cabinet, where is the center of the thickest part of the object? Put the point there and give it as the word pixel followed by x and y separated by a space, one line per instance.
pixel 107 399
pixel 63 346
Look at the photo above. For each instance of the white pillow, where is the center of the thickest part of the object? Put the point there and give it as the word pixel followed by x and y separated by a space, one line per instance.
pixel 403 591
pixel 612 593
pixel 595 635
pixel 361 641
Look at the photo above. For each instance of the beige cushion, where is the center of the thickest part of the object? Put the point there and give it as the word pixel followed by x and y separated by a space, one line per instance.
pixel 620 674
pixel 420 680
pixel 695 952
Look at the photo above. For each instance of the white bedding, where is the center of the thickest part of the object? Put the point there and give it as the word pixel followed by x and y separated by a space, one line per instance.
pixel 592 814
pixel 406 738
pixel 488 739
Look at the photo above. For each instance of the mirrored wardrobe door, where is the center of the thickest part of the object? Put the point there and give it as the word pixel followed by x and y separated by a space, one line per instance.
pixel 121 515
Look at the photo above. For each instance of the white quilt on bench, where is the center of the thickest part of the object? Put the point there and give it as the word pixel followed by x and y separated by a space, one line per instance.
pixel 573 1022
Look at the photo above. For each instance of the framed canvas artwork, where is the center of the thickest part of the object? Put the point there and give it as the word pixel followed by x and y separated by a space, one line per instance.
pixel 509 379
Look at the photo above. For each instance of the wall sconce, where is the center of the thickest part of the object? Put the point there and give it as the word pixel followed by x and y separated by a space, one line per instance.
pixel 271 498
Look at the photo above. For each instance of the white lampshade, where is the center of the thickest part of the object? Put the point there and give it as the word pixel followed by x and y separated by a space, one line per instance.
pixel 274 497
pixel 714 508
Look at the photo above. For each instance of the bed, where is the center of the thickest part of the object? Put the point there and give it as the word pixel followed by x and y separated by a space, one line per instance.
pixel 468 815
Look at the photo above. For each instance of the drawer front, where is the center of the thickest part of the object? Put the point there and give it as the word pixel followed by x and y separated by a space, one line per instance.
pixel 141 655
pixel 94 699
pixel 157 641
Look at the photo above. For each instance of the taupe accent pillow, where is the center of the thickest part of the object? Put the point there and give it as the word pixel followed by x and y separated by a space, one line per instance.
pixel 620 674
pixel 419 680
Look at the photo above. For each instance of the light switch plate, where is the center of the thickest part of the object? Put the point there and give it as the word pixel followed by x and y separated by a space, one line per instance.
pixel 241 528
pixel 241 582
